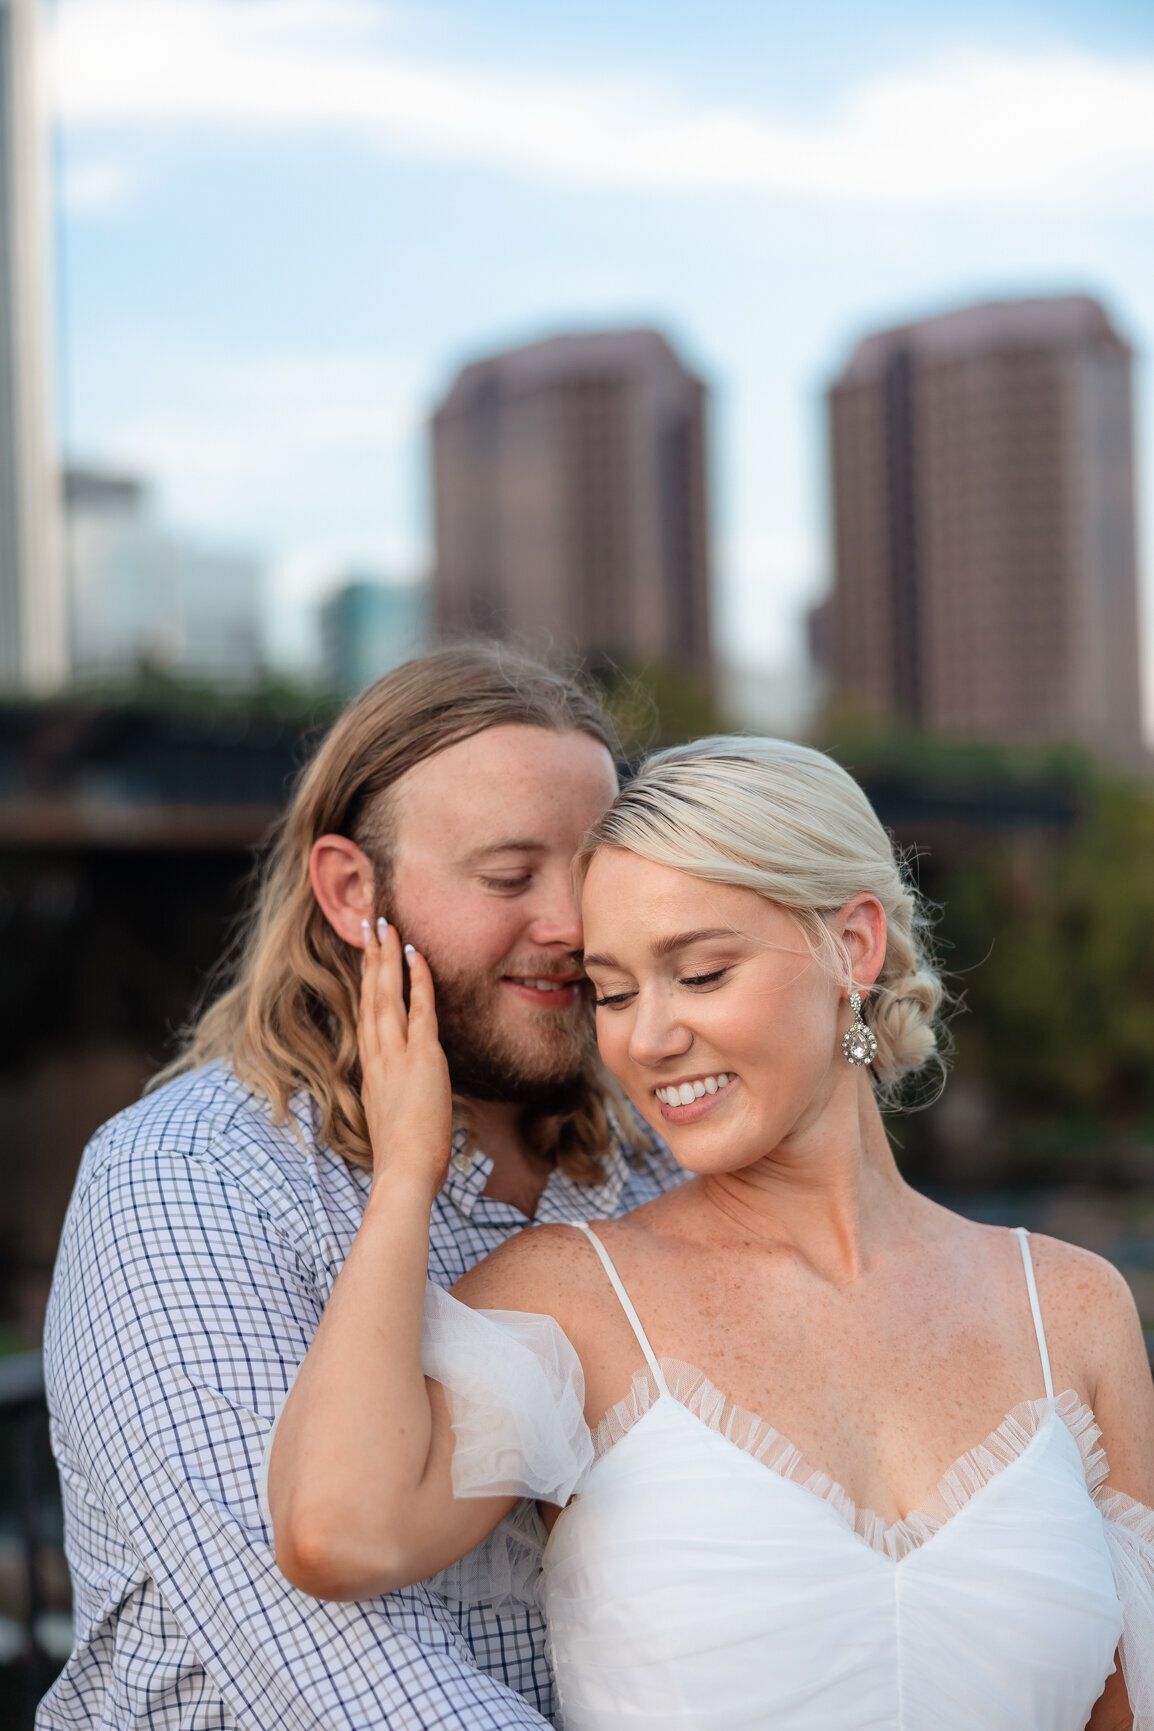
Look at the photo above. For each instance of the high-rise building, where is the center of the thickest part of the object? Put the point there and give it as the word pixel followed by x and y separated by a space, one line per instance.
pixel 983 495
pixel 33 603
pixel 570 495
pixel 369 626
pixel 143 597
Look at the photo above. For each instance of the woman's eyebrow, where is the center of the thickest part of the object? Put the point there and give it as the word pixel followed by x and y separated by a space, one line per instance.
pixel 682 940
pixel 667 946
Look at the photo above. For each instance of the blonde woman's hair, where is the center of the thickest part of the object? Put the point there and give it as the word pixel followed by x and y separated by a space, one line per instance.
pixel 788 822
pixel 287 1017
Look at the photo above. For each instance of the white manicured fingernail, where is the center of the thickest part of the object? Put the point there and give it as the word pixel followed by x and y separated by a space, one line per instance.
pixel 382 928
pixel 409 950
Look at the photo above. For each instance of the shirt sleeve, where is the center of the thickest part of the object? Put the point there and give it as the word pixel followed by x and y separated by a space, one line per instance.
pixel 1130 1536
pixel 180 1312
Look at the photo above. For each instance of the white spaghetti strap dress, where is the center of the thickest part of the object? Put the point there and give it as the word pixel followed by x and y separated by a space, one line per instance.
pixel 704 1578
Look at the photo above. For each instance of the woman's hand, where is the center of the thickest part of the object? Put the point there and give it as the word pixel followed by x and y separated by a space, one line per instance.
pixel 360 1471
pixel 404 1077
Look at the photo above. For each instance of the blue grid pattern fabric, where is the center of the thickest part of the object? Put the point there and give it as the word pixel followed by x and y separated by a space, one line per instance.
pixel 201 1245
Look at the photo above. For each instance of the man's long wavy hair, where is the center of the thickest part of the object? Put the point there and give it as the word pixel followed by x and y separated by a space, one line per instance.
pixel 287 1016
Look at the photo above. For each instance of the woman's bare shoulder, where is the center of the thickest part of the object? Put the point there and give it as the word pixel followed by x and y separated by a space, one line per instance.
pixel 544 1268
pixel 1082 1295
pixel 1092 1323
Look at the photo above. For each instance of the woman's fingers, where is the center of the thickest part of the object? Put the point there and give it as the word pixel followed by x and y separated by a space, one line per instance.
pixel 367 1038
pixel 389 1001
pixel 383 1019
pixel 404 1077
pixel 422 998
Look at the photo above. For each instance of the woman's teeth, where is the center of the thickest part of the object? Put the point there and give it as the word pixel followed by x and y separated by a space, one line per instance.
pixel 685 1093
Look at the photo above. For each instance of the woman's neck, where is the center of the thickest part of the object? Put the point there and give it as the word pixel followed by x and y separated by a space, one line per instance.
pixel 831 1194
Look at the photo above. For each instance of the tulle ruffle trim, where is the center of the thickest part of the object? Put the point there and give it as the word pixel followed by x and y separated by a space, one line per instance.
pixel 754 1436
pixel 1130 1535
pixel 504 1571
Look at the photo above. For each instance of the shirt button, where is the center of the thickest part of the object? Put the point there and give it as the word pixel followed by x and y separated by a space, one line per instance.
pixel 461 1162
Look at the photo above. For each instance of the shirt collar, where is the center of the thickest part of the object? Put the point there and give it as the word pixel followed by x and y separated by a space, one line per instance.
pixel 561 1199
pixel 468 1175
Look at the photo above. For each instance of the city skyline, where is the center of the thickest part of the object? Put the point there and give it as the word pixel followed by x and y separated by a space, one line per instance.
pixel 571 501
pixel 983 494
pixel 267 282
pixel 143 598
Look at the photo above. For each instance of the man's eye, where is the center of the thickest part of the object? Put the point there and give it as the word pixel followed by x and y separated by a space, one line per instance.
pixel 612 1000
pixel 508 885
pixel 704 979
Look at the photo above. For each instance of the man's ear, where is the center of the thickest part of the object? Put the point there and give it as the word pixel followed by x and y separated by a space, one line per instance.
pixel 861 926
pixel 343 883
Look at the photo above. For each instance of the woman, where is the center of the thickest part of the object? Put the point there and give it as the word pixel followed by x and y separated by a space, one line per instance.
pixel 846 1460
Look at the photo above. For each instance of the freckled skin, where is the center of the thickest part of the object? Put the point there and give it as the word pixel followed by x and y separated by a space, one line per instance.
pixel 882 1334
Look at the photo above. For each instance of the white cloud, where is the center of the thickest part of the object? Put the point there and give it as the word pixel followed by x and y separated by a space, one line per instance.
pixel 1058 129
pixel 96 183
pixel 265 447
pixel 307 459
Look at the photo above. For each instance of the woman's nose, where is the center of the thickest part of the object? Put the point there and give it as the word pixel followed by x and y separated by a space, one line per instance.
pixel 656 1034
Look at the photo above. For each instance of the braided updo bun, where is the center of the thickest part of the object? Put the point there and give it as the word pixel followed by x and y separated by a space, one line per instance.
pixel 791 824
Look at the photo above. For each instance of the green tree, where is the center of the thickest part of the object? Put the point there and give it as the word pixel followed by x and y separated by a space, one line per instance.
pixel 1062 1007
pixel 657 704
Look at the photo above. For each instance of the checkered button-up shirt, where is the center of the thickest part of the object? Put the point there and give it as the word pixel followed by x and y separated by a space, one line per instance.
pixel 201 1245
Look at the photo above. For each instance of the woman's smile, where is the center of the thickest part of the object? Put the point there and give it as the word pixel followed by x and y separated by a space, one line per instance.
pixel 684 1102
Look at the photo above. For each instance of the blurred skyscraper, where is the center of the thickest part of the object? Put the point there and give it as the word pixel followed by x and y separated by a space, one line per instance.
pixel 983 492
pixel 368 627
pixel 570 494
pixel 142 597
pixel 33 607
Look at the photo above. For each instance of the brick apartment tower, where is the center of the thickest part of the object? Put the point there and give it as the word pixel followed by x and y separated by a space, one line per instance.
pixel 570 499
pixel 983 495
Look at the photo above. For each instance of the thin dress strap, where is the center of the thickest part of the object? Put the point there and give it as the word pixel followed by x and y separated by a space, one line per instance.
pixel 626 1302
pixel 1028 1263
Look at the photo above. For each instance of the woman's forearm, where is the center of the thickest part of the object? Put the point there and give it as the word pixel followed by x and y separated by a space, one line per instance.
pixel 360 1476
pixel 353 1444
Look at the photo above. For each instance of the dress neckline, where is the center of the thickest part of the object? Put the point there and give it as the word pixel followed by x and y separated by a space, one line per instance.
pixel 970 1472
pixel 685 1386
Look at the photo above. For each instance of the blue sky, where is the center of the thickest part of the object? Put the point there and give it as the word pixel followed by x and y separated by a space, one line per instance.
pixel 285 222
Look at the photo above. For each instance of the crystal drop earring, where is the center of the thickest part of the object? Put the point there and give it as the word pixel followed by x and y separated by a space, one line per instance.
pixel 859 1043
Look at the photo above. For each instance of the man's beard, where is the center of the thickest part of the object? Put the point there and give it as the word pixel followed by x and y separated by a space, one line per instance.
pixel 547 1067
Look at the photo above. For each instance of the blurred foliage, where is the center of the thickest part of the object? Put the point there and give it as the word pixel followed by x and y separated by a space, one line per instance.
pixel 1042 864
pixel 275 696
pixel 656 704
pixel 866 743
pixel 652 704
pixel 1062 1007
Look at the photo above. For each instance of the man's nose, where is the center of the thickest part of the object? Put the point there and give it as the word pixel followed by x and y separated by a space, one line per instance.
pixel 556 917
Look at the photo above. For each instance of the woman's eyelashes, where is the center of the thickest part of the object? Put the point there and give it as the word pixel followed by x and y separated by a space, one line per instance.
pixel 703 979
pixel 614 1000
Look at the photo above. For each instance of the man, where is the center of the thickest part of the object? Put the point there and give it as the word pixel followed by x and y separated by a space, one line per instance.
pixel 209 1221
